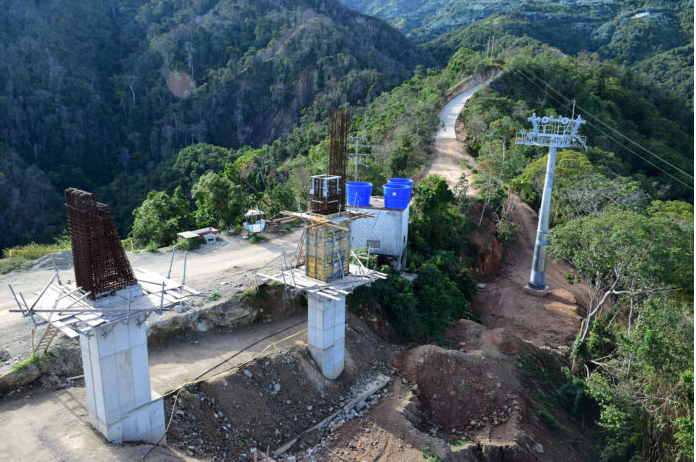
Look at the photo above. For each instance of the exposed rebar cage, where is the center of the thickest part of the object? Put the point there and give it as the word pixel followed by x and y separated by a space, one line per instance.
pixel 339 123
pixel 101 265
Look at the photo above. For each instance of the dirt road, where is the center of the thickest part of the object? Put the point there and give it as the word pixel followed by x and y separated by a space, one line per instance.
pixel 551 320
pixel 448 154
pixel 232 259
pixel 183 359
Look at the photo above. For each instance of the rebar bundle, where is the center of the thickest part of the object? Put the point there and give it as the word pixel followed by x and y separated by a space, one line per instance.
pixel 339 122
pixel 101 265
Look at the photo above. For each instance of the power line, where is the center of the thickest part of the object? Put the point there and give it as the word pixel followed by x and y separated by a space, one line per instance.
pixel 618 142
pixel 603 123
pixel 599 129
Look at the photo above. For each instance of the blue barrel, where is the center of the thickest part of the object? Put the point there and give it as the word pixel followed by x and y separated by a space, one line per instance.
pixel 406 181
pixel 396 196
pixel 358 193
pixel 402 181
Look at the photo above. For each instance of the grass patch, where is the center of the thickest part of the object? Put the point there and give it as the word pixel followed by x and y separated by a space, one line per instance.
pixel 256 238
pixel 33 359
pixel 33 251
pixel 458 443
pixel 548 419
pixel 21 256
pixel 213 296
pixel 252 293
pixel 10 264
pixel 430 456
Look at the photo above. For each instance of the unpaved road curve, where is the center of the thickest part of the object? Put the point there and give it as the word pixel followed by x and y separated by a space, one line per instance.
pixel 448 153
pixel 550 320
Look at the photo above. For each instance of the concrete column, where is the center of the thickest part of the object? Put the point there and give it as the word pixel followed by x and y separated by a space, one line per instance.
pixel 117 380
pixel 326 333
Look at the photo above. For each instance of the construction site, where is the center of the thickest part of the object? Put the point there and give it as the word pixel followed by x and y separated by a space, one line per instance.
pixel 139 362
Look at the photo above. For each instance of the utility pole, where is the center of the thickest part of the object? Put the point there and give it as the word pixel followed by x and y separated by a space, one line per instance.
pixel 554 133
pixel 358 142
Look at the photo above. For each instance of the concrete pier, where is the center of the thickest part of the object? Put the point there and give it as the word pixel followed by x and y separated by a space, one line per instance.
pixel 326 333
pixel 120 403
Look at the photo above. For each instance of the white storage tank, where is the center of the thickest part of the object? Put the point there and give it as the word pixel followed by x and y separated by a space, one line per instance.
pixel 385 234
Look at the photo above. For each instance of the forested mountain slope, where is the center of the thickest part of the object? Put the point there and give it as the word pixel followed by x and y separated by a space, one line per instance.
pixel 92 89
pixel 428 19
pixel 652 36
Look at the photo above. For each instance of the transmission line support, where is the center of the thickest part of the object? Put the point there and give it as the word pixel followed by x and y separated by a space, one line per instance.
pixel 554 133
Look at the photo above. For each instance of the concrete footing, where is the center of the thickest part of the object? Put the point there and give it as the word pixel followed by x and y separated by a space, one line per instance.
pixel 326 333
pixel 536 292
pixel 120 403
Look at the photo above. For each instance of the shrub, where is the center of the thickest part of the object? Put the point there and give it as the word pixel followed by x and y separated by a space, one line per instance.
pixel 506 230
pixel 152 247
pixel 548 419
pixel 213 296
pixel 189 244
pixel 256 238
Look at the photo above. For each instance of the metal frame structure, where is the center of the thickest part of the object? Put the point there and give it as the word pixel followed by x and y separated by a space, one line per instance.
pixel 553 133
pixel 358 142
pixel 66 307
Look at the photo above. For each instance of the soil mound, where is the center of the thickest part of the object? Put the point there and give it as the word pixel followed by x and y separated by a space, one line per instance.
pixel 271 400
pixel 499 391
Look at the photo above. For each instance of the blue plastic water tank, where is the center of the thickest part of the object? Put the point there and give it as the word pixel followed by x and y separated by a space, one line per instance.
pixel 358 193
pixel 396 196
pixel 406 181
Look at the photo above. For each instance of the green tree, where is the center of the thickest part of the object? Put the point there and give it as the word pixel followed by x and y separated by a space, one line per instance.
pixel 219 201
pixel 620 252
pixel 160 217
pixel 645 386
pixel 677 211
pixel 436 222
pixel 569 166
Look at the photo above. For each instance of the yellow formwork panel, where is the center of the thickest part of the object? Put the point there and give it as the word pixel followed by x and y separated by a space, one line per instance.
pixel 328 253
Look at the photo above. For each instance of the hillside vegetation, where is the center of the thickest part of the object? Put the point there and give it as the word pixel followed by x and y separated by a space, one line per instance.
pixel 96 90
pixel 655 37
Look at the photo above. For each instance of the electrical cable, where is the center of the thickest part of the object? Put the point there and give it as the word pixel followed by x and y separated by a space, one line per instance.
pixel 607 125
pixel 181 387
pixel 522 72
pixel 567 103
